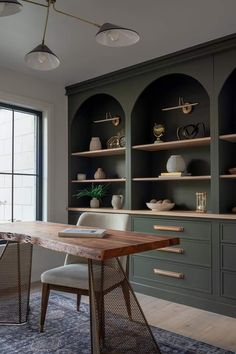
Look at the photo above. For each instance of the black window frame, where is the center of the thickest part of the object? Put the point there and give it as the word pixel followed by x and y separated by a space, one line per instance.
pixel 39 158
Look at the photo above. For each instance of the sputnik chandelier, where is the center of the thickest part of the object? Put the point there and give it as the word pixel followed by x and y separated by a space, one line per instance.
pixel 42 58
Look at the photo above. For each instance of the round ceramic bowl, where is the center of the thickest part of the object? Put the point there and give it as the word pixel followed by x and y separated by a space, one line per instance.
pixel 160 206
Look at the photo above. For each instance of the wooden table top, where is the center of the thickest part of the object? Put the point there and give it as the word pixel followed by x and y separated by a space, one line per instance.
pixel 113 244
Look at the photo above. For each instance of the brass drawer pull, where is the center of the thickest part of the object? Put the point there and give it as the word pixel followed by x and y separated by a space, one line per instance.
pixel 168 273
pixel 168 228
pixel 172 250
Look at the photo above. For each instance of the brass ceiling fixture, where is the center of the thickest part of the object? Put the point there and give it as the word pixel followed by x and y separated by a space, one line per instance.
pixel 42 58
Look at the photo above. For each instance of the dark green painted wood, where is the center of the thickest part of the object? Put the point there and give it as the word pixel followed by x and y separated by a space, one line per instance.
pixel 229 285
pixel 194 253
pixel 195 278
pixel 198 230
pixel 206 74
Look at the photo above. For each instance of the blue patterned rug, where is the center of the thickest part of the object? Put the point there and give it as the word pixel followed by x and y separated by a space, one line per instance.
pixel 67 332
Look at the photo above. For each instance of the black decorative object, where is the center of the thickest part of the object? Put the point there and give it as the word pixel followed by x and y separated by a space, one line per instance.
pixel 191 131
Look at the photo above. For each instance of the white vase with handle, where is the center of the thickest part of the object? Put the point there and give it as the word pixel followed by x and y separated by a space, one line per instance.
pixel 117 201
pixel 176 163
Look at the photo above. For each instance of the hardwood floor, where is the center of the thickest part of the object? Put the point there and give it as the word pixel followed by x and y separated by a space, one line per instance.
pixel 204 326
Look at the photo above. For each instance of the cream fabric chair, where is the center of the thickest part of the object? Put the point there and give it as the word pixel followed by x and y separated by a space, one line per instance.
pixel 73 276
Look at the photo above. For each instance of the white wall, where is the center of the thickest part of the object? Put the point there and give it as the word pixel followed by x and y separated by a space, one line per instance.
pixel 50 98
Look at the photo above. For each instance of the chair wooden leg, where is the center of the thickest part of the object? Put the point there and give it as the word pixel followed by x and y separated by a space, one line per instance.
pixel 125 290
pixel 78 301
pixel 44 304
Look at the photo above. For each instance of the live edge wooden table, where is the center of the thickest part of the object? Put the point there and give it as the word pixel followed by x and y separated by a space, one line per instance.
pixel 117 322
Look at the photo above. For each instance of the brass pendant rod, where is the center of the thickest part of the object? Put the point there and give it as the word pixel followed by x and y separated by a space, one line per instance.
pixel 76 17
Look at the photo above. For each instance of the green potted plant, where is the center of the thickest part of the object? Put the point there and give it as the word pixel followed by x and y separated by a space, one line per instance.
pixel 96 192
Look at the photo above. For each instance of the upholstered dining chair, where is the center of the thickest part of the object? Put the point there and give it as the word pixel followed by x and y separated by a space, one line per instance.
pixel 73 276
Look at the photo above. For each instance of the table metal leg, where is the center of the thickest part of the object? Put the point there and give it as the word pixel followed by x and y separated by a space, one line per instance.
pixel 118 324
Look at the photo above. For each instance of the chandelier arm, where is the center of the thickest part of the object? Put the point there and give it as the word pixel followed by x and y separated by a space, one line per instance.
pixel 76 17
pixel 46 22
pixel 35 3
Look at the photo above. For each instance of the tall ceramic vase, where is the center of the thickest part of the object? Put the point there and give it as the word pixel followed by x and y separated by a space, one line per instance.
pixel 95 143
pixel 176 163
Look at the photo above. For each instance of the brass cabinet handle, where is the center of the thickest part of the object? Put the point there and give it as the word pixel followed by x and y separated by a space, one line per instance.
pixel 172 250
pixel 168 273
pixel 168 228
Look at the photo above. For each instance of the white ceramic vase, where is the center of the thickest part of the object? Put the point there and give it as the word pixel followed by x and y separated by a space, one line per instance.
pixel 176 163
pixel 94 203
pixel 95 143
pixel 117 201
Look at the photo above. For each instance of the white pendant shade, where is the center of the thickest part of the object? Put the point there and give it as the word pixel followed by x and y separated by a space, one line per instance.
pixel 114 36
pixel 42 58
pixel 9 7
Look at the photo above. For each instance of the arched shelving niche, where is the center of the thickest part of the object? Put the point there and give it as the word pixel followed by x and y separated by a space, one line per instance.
pixel 82 129
pixel 149 160
pixel 227 143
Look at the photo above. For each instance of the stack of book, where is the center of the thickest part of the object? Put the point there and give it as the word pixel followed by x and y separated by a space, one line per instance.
pixel 83 233
pixel 174 174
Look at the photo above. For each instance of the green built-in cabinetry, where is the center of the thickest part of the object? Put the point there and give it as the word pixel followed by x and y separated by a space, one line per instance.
pixel 205 75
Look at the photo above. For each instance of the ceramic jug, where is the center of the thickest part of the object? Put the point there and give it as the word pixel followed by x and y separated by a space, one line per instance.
pixel 117 201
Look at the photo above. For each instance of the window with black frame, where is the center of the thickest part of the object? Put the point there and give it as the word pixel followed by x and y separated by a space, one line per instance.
pixel 20 164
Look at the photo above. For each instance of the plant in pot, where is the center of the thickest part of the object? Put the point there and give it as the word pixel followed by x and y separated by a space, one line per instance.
pixel 96 192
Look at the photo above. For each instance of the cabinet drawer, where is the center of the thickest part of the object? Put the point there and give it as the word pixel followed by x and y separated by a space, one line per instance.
pixel 187 251
pixel 200 230
pixel 146 270
pixel 228 285
pixel 228 257
pixel 228 233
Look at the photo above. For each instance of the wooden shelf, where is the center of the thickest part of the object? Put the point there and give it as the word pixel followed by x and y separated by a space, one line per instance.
pixel 184 178
pixel 110 180
pixel 228 137
pixel 175 213
pixel 177 144
pixel 228 176
pixel 102 152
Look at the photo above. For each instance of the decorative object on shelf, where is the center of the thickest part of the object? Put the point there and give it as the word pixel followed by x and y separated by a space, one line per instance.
pixel 191 131
pixel 95 144
pixel 115 120
pixel 96 192
pixel 81 176
pixel 99 174
pixel 117 201
pixel 158 131
pixel 160 205
pixel 232 171
pixel 42 58
pixel 176 163
pixel 234 210
pixel 201 201
pixel 113 142
pixel 186 107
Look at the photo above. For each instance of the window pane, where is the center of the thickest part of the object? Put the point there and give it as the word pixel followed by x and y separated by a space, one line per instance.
pixel 24 142
pixel 5 197
pixel 5 140
pixel 24 198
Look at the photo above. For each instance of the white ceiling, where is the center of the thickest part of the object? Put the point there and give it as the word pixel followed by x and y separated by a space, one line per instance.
pixel 165 26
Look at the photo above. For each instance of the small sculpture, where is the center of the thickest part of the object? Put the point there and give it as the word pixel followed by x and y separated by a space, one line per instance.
pixel 158 131
pixel 99 174
pixel 191 131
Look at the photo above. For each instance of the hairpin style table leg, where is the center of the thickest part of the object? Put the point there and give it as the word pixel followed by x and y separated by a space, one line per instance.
pixel 118 324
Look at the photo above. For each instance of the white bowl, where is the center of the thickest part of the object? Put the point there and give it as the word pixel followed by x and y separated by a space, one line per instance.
pixel 160 206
